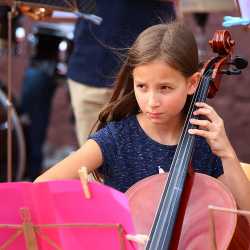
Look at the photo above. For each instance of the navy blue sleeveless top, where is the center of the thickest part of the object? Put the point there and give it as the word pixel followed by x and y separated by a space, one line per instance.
pixel 95 59
pixel 130 155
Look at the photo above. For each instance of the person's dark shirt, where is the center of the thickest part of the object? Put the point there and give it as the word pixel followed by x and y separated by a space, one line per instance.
pixel 94 60
pixel 130 155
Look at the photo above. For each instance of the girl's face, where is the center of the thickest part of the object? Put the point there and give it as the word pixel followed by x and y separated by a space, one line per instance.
pixel 161 91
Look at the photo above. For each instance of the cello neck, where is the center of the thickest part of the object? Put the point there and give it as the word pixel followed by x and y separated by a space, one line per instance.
pixel 162 230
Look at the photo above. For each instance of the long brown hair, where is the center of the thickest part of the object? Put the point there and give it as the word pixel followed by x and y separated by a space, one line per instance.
pixel 172 43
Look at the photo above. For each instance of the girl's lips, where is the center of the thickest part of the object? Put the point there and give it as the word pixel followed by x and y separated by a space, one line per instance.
pixel 154 115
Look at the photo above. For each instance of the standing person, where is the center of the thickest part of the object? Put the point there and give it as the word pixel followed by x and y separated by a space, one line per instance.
pixel 91 67
pixel 94 61
pixel 39 86
pixel 38 89
pixel 141 126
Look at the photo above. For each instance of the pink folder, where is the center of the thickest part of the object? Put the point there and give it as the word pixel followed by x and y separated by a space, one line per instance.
pixel 98 223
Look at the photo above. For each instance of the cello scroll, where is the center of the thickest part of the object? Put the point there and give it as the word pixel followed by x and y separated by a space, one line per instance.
pixel 223 45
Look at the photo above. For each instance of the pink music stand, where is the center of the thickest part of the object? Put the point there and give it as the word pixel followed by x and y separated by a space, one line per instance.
pixel 57 215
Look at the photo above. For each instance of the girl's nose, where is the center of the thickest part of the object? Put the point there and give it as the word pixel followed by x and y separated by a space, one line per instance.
pixel 153 100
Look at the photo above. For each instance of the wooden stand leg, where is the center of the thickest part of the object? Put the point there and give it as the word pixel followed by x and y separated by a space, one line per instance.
pixel 83 172
pixel 28 230
pixel 138 238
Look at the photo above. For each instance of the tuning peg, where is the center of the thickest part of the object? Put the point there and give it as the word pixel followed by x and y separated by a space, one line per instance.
pixel 239 62
pixel 231 71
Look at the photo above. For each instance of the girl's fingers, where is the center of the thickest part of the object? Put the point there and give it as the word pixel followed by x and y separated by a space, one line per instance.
pixel 201 123
pixel 203 133
pixel 203 104
pixel 212 128
pixel 205 110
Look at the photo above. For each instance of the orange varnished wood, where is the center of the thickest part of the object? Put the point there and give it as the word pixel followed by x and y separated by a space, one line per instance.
pixel 144 197
pixel 195 229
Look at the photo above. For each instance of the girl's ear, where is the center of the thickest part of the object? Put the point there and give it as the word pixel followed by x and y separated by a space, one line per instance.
pixel 193 82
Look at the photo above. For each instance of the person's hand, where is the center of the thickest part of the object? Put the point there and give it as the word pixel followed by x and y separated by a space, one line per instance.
pixel 212 128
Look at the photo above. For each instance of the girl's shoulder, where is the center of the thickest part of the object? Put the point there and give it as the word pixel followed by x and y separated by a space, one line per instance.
pixel 126 124
pixel 118 129
pixel 115 138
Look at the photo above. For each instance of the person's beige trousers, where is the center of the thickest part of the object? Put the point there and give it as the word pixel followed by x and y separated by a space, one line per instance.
pixel 87 102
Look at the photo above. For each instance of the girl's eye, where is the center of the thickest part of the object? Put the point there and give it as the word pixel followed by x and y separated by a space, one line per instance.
pixel 165 88
pixel 140 86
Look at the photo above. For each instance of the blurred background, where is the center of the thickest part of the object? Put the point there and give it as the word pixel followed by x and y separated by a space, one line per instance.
pixel 232 101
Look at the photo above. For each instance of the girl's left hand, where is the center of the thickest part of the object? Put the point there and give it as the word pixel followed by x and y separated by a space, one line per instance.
pixel 212 129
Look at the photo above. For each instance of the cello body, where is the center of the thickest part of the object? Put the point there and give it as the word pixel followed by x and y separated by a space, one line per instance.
pixel 173 209
pixel 196 232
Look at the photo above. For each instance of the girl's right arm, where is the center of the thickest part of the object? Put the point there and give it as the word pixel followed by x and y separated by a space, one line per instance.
pixel 89 155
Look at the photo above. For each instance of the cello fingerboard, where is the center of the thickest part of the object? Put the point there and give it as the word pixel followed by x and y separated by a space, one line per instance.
pixel 161 234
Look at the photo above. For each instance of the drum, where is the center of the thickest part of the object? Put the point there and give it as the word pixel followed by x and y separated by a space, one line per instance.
pixel 52 42
pixel 18 142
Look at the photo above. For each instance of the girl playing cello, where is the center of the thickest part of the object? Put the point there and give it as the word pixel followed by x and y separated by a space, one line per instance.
pixel 140 127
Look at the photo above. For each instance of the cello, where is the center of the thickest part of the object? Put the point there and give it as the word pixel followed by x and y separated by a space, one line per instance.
pixel 172 209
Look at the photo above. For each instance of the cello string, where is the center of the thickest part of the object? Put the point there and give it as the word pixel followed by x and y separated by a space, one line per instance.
pixel 190 110
pixel 159 215
pixel 198 95
pixel 195 98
